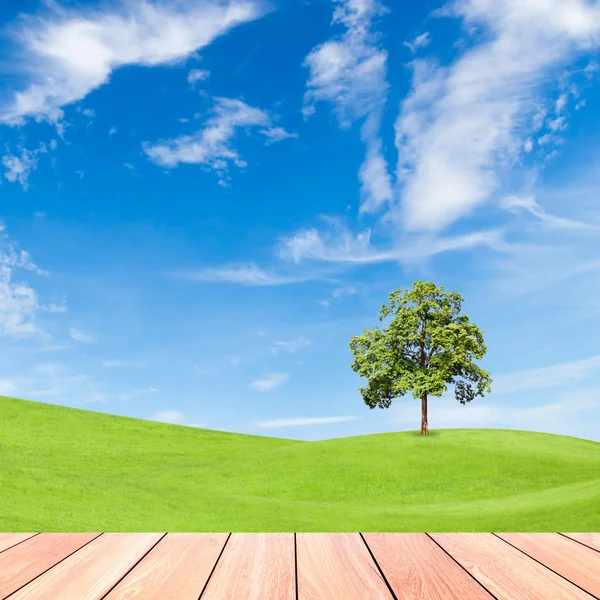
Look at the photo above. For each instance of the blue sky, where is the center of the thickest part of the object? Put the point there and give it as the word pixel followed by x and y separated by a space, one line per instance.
pixel 203 201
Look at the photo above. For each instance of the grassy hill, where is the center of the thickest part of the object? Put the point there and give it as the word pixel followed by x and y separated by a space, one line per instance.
pixel 63 469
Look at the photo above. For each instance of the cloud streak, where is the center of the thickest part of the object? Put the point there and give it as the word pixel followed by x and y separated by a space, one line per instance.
pixel 302 422
pixel 461 126
pixel 269 382
pixel 350 73
pixel 212 145
pixel 70 52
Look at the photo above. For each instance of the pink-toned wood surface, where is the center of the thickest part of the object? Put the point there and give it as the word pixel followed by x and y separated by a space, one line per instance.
pixel 592 540
pixel 329 566
pixel 416 568
pixel 504 571
pixel 255 566
pixel 7 540
pixel 177 568
pixel 92 571
pixel 24 562
pixel 337 565
pixel 577 563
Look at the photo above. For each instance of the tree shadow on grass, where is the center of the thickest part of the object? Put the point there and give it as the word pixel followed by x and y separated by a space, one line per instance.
pixel 430 434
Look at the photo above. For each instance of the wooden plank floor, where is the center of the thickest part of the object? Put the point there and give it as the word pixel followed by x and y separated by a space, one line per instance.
pixel 303 566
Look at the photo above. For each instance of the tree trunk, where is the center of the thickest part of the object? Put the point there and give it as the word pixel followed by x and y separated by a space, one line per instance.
pixel 424 427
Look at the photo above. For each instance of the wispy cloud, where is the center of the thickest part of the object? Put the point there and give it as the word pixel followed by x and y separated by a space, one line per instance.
pixel 349 290
pixel 292 346
pixel 133 394
pixel 212 145
pixel 421 41
pixel 349 73
pixel 277 134
pixel 80 336
pixel 464 124
pixel 71 51
pixel 19 303
pixel 530 205
pixel 115 364
pixel 18 168
pixel 302 422
pixel 551 376
pixel 566 415
pixel 243 274
pixel 173 417
pixel 196 75
pixel 339 245
pixel 269 382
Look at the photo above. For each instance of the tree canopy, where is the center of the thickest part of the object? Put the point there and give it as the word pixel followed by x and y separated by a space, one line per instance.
pixel 427 346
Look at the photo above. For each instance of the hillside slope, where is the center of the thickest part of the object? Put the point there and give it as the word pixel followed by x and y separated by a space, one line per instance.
pixel 63 469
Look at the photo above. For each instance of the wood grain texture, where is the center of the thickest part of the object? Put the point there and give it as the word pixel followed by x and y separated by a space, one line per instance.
pixel 22 563
pixel 177 568
pixel 337 565
pixel 591 540
pixel 577 563
pixel 254 566
pixel 7 540
pixel 504 571
pixel 416 568
pixel 92 571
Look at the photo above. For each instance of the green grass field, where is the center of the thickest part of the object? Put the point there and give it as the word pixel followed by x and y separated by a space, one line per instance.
pixel 63 469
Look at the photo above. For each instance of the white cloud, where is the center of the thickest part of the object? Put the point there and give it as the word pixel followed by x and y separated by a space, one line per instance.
pixel 349 290
pixel 80 336
pixel 115 364
pixel 18 168
pixel 565 415
pixel 421 41
pixel 8 387
pixel 269 382
pixel 530 268
pixel 350 73
pixel 561 102
pixel 90 113
pixel 169 416
pixel 530 205
pixel 196 75
pixel 325 303
pixel 277 134
pixel 243 274
pixel 292 346
pixel 70 52
pixel 462 125
pixel 131 395
pixel 62 386
pixel 302 422
pixel 54 308
pixel 19 303
pixel 212 146
pixel 112 131
pixel 340 246
pixel 546 377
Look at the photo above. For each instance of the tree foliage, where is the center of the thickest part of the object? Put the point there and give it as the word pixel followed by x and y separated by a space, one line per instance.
pixel 427 346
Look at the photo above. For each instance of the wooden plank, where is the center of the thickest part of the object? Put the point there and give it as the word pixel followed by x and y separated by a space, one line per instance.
pixel 591 540
pixel 91 572
pixel 177 568
pixel 504 571
pixel 337 565
pixel 7 540
pixel 23 563
pixel 571 560
pixel 254 566
pixel 416 567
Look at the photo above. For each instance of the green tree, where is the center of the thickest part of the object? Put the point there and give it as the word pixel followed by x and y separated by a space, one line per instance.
pixel 427 346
